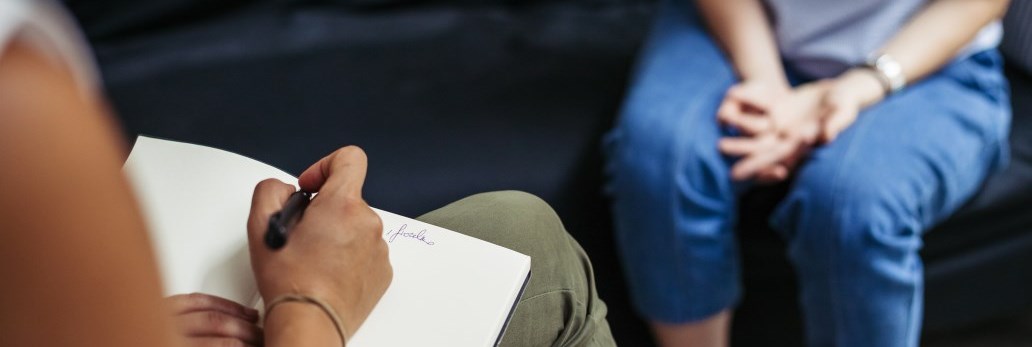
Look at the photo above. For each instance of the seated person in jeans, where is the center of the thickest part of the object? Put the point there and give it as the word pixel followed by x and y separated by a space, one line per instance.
pixel 885 115
pixel 78 269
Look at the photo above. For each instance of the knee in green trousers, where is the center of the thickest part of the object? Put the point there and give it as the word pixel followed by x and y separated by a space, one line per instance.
pixel 560 306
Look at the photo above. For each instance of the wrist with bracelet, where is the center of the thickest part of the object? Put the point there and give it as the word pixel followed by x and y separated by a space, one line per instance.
pixel 325 307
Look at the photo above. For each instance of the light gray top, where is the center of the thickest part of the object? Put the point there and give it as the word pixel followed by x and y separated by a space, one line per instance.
pixel 823 38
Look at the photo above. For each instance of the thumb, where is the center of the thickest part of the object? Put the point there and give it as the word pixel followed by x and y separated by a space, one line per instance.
pixel 836 121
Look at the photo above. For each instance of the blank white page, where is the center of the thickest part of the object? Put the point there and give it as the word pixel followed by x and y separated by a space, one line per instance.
pixel 449 289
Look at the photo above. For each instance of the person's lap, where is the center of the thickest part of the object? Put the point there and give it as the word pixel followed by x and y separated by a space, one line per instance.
pixel 854 214
pixel 560 306
pixel 859 205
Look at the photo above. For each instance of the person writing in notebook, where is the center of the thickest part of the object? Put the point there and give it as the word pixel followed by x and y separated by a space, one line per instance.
pixel 78 268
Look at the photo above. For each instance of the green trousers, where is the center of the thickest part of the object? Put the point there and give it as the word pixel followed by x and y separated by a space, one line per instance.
pixel 560 306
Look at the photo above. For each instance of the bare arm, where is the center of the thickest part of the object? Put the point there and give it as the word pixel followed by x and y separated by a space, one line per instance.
pixel 743 30
pixel 939 32
pixel 76 264
pixel 930 40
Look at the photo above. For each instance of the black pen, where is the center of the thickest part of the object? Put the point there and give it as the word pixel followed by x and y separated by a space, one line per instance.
pixel 281 222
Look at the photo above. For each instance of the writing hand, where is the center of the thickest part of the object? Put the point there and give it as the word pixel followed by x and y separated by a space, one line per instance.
pixel 210 321
pixel 335 252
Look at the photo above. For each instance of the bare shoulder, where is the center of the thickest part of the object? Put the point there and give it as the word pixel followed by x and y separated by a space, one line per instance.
pixel 24 71
pixel 37 91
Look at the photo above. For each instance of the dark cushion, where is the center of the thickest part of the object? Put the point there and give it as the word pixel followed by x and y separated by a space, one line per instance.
pixel 113 19
pixel 1017 35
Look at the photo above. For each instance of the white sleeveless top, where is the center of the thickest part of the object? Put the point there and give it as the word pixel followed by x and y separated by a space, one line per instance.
pixel 46 26
pixel 822 38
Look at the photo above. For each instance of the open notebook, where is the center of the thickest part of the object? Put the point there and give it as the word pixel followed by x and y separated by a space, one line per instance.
pixel 449 289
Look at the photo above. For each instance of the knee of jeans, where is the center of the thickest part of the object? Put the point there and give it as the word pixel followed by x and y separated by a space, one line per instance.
pixel 848 213
pixel 652 144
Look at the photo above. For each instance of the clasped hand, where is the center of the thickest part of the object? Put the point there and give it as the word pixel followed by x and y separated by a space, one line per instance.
pixel 780 125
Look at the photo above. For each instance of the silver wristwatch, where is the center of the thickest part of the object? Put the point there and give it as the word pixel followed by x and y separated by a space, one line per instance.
pixel 889 72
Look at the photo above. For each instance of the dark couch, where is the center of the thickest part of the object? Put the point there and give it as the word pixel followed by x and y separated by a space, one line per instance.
pixel 451 98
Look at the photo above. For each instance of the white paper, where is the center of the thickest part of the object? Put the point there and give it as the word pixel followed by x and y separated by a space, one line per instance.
pixel 448 289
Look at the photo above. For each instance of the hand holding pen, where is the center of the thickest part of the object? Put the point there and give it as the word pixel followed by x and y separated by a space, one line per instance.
pixel 331 248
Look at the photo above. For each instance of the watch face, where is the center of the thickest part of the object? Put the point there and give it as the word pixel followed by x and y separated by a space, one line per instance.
pixel 890 70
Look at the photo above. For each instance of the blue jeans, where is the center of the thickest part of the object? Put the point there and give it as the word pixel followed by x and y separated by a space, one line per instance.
pixel 855 213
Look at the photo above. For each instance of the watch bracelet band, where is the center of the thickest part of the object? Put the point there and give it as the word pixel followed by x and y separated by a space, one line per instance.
pixel 882 80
